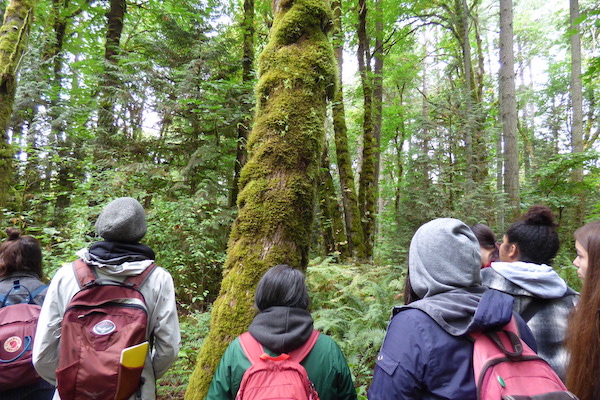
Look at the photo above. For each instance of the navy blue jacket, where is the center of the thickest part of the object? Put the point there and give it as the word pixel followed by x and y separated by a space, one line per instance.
pixel 420 360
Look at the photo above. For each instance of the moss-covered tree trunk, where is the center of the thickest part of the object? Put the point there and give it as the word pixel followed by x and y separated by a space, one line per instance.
pixel 354 230
pixel 332 225
pixel 366 182
pixel 14 33
pixel 278 183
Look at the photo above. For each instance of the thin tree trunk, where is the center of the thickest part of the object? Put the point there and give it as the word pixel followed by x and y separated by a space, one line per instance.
pixel 107 126
pixel 278 183
pixel 14 33
pixel 244 127
pixel 508 109
pixel 354 230
pixel 463 32
pixel 334 233
pixel 366 189
pixel 577 107
pixel 377 104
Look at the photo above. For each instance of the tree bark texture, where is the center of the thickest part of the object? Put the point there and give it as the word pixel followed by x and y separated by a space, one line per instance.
pixel 366 183
pixel 14 33
pixel 278 183
pixel 354 230
pixel 508 109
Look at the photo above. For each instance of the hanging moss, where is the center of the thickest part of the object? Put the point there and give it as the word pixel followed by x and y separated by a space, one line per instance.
pixel 278 183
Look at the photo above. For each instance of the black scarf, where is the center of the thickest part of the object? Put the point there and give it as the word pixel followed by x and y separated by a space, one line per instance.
pixel 117 253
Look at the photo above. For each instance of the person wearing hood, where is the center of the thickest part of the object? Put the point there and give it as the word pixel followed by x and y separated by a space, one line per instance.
pixel 427 352
pixel 281 325
pixel 122 224
pixel 541 296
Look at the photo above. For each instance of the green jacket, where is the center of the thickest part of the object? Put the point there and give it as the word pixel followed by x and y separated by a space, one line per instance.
pixel 326 367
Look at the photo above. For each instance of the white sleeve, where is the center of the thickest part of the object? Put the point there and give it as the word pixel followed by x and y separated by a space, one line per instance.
pixel 47 336
pixel 164 323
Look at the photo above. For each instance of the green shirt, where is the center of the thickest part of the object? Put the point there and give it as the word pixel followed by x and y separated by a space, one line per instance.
pixel 326 367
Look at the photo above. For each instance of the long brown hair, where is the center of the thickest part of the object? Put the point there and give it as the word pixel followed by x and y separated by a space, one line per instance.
pixel 20 254
pixel 583 337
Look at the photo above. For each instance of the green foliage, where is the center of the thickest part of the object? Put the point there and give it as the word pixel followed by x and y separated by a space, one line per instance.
pixel 353 304
pixel 194 328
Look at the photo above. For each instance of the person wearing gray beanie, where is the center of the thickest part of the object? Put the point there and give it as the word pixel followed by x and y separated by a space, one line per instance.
pixel 121 225
pixel 122 220
pixel 426 352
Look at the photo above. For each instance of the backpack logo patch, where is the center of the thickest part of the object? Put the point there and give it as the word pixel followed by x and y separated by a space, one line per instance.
pixel 104 327
pixel 13 344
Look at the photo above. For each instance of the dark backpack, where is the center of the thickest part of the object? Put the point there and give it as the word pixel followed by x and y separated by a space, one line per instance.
pixel 102 319
pixel 18 323
pixel 507 369
pixel 276 378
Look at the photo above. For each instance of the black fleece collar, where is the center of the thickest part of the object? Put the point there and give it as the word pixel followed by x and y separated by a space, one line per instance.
pixel 117 253
pixel 282 329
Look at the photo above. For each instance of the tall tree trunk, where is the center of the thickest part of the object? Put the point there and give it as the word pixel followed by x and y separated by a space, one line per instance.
pixel 577 107
pixel 278 183
pixel 463 32
pixel 366 189
pixel 107 127
pixel 64 185
pixel 14 33
pixel 354 230
pixel 244 126
pixel 508 109
pixel 334 233
pixel 377 102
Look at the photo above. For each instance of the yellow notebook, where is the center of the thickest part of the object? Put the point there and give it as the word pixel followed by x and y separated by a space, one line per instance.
pixel 134 356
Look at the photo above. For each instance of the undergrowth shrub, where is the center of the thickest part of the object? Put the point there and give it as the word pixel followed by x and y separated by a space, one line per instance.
pixel 194 328
pixel 352 304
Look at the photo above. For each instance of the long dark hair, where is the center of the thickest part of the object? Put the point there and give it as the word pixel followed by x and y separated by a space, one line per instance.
pixel 535 235
pixel 282 286
pixel 583 335
pixel 20 254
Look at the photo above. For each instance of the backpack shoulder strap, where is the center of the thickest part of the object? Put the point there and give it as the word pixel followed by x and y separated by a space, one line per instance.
pixel 83 272
pixel 251 347
pixel 37 291
pixel 301 352
pixel 534 305
pixel 136 281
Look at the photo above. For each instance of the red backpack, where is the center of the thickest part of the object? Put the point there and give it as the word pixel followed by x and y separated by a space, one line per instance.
pixel 276 378
pixel 507 369
pixel 18 323
pixel 104 318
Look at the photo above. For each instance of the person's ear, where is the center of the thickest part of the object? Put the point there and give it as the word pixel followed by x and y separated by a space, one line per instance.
pixel 513 251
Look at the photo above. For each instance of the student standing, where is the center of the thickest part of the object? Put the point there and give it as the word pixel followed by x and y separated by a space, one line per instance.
pixel 427 353
pixel 583 335
pixel 282 325
pixel 122 224
pixel 524 271
pixel 21 263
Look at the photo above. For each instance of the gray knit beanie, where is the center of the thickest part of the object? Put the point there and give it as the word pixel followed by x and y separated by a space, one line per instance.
pixel 122 220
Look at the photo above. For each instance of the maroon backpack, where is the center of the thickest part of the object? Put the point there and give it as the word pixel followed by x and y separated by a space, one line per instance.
pixel 103 318
pixel 18 323
pixel 276 378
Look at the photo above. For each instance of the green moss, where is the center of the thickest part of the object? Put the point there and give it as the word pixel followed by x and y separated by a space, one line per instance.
pixel 277 184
